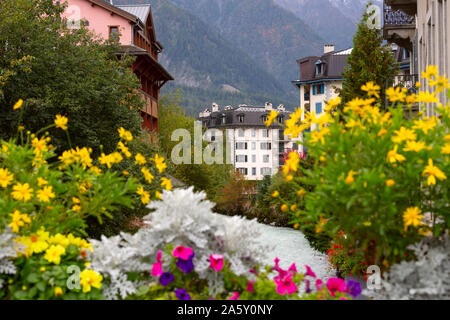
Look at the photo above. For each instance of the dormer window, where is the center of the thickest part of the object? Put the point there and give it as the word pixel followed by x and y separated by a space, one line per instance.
pixel 280 119
pixel 224 119
pixel 241 118
pixel 265 118
pixel 320 66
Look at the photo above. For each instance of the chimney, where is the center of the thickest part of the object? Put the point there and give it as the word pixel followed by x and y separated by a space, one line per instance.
pixel 328 48
pixel 281 107
pixel 268 106
pixel 215 107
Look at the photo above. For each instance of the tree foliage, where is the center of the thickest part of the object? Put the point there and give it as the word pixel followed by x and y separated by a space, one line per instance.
pixel 57 70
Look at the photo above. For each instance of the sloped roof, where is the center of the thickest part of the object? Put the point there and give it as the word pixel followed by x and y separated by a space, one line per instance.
pixel 141 11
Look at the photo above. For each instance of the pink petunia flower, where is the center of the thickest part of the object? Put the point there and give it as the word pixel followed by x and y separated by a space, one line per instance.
pixel 335 284
pixel 285 285
pixel 157 269
pixel 235 296
pixel 293 269
pixel 250 287
pixel 281 273
pixel 184 253
pixel 309 272
pixel 216 262
pixel 319 284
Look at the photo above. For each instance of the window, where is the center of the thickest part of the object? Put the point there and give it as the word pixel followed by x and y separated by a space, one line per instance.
pixel 266 171
pixel 318 107
pixel 241 145
pixel 253 145
pixel 265 133
pixel 224 119
pixel 114 32
pixel 280 119
pixel 318 89
pixel 266 146
pixel 253 132
pixel 244 171
pixel 241 118
pixel 242 158
pixel 266 158
pixel 319 68
pixel 254 158
pixel 241 133
pixel 253 171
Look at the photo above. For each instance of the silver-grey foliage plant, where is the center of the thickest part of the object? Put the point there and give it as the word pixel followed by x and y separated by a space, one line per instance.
pixel 8 251
pixel 428 277
pixel 182 218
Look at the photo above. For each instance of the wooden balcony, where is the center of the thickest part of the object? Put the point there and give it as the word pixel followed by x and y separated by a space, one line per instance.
pixel 151 105
pixel 407 6
pixel 399 27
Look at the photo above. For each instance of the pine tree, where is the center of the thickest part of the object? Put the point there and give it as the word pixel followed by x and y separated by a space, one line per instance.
pixel 370 60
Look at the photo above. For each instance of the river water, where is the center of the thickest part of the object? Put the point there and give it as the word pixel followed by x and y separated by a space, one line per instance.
pixel 290 246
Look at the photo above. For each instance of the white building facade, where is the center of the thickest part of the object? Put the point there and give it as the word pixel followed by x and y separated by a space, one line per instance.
pixel 254 150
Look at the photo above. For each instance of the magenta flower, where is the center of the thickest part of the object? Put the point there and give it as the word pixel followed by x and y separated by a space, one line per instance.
pixel 250 286
pixel 319 284
pixel 309 272
pixel 285 285
pixel 166 278
pixel 183 253
pixel 182 294
pixel 216 262
pixel 157 267
pixel 335 284
pixel 281 273
pixel 186 265
pixel 293 269
pixel 308 288
pixel 235 296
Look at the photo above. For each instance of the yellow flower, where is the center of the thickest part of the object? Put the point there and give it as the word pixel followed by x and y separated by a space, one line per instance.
pixel 58 291
pixel 332 104
pixel 75 200
pixel 95 170
pixel 106 160
pixel 403 134
pixel 382 132
pixel 284 208
pixel 145 196
pixel 116 157
pixel 76 208
pixel 61 122
pixel 140 159
pixel 301 192
pixel 59 239
pixel 39 145
pixel 412 216
pixel 275 194
pixel 293 207
pixel 427 97
pixel 390 183
pixel 18 104
pixel 124 149
pixel 90 278
pixel 441 83
pixel 426 124
pixel 147 175
pixel 43 269
pixel 125 134
pixel 418 84
pixel 430 72
pixel 18 220
pixel 158 195
pixel 291 163
pixel 393 156
pixel 125 173
pixel 367 224
pixel 166 183
pixel 160 164
pixel 411 99
pixel 321 224
pixel 446 149
pixel 42 182
pixel 46 194
pixel 396 94
pixel 350 177
pixel 6 178
pixel 319 136
pixel 415 146
pixel 371 89
pixel 54 253
pixel 272 116
pixel 433 172
pixel 289 178
pixel 22 192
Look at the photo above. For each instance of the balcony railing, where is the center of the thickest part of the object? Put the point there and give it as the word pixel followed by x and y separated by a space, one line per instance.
pixel 397 17
pixel 407 81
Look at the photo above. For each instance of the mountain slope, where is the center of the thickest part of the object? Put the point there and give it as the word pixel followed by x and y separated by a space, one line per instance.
pixel 206 66
pixel 271 35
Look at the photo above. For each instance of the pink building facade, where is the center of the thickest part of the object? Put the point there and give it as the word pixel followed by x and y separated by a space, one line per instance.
pixel 133 25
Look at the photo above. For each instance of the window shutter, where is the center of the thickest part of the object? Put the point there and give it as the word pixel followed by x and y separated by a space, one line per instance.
pixel 314 90
pixel 323 88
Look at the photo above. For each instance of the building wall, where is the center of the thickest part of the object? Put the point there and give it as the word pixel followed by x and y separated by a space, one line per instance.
pixel 433 39
pixel 99 19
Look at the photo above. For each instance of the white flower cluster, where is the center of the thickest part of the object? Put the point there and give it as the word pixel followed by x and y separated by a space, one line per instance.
pixel 182 218
pixel 8 250
pixel 426 278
